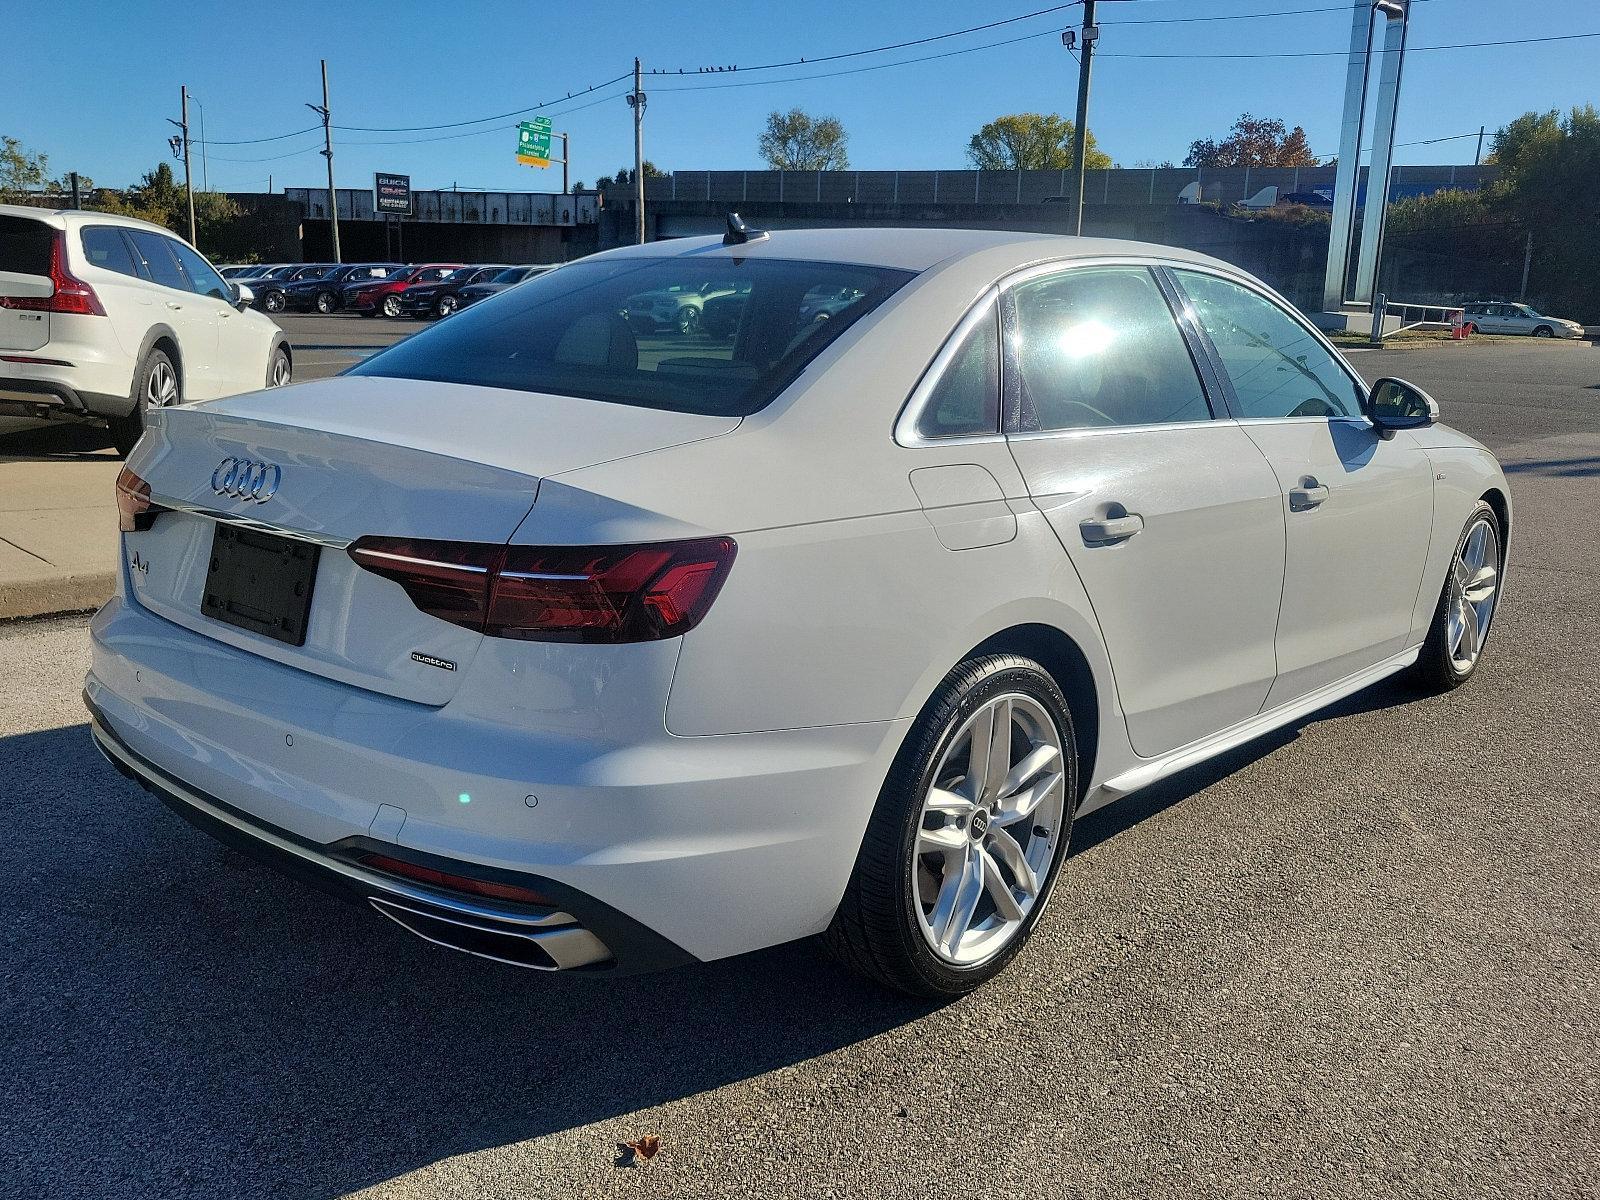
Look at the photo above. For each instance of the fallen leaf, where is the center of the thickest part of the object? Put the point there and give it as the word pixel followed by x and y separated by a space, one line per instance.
pixel 646 1146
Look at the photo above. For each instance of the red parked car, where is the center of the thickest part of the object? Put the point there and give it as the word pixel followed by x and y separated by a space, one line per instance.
pixel 371 297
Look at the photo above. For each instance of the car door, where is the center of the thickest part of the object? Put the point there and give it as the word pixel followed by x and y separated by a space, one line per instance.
pixel 177 307
pixel 1357 506
pixel 242 343
pixel 1170 515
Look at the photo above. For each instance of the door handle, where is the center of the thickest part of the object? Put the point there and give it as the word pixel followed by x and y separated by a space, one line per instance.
pixel 1308 495
pixel 174 305
pixel 1110 529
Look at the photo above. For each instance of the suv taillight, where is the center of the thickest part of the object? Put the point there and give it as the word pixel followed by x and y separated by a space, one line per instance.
pixel 72 294
pixel 635 593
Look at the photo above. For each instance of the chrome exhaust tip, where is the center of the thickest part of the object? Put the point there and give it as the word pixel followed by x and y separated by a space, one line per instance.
pixel 539 948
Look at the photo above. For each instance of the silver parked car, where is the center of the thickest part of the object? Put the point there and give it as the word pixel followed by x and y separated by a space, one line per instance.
pixel 1501 317
pixel 656 652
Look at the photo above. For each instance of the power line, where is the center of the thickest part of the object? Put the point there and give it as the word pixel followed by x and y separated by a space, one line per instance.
pixel 1560 37
pixel 802 62
pixel 1287 12
pixel 272 157
pixel 277 137
pixel 445 137
pixel 481 120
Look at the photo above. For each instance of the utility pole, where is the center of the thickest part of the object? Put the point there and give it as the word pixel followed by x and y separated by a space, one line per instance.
pixel 566 162
pixel 181 143
pixel 636 101
pixel 327 153
pixel 77 199
pixel 205 171
pixel 1478 157
pixel 1080 133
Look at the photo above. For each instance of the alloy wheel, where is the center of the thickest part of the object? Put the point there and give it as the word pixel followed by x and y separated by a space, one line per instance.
pixel 988 829
pixel 447 305
pixel 325 302
pixel 280 371
pixel 391 305
pixel 161 385
pixel 1477 587
pixel 274 302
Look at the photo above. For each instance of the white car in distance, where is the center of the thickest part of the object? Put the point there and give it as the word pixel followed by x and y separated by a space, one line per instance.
pixel 103 318
pixel 657 652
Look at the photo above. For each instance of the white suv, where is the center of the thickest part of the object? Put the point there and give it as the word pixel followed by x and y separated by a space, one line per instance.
pixel 103 316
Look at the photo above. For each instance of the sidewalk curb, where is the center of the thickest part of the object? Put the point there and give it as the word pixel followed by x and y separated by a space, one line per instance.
pixel 55 595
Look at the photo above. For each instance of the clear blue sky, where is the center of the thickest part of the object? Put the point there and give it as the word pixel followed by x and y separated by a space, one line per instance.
pixel 97 99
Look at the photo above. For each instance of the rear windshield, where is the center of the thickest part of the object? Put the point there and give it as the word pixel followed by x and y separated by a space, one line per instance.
pixel 25 245
pixel 721 337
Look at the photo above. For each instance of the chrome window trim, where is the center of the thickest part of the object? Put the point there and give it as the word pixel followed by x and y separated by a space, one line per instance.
pixel 1087 431
pixel 173 504
pixel 905 426
pixel 1289 310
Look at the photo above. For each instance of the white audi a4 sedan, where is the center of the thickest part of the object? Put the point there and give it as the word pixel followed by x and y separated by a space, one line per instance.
pixel 586 648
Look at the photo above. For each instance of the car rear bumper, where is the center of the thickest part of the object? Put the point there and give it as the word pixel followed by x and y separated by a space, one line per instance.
pixel 52 394
pixel 698 847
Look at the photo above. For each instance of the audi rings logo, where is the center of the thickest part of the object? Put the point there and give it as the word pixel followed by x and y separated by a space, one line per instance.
pixel 246 479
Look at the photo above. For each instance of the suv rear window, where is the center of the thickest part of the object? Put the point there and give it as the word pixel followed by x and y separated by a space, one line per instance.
pixel 715 336
pixel 25 245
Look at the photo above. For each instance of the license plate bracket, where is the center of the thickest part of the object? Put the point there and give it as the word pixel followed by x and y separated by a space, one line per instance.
pixel 261 582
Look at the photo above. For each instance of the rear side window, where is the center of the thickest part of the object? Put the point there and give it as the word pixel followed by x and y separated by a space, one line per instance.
pixel 965 401
pixel 104 247
pixel 688 334
pixel 1098 346
pixel 159 263
pixel 25 245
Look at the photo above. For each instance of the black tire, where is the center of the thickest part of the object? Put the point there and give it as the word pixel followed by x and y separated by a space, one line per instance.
pixel 1544 331
pixel 126 431
pixel 1436 670
pixel 326 302
pixel 273 302
pixel 276 361
pixel 445 305
pixel 391 305
pixel 876 930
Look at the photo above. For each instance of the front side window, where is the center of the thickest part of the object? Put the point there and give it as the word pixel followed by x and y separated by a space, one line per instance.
pixel 566 332
pixel 1277 367
pixel 965 401
pixel 104 247
pixel 1098 346
pixel 203 279
pixel 160 264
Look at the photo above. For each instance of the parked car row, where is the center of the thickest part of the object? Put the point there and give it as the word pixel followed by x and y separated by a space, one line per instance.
pixel 426 291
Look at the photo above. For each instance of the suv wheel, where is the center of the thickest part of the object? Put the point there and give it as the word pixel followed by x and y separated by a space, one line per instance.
pixel 155 385
pixel 445 306
pixel 391 305
pixel 688 319
pixel 326 302
pixel 280 372
pixel 273 302
pixel 968 835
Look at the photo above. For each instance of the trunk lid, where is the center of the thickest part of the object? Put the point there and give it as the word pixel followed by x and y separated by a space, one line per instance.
pixel 358 456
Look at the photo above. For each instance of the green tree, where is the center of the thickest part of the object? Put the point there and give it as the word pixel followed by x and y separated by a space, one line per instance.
pixel 20 171
pixel 797 141
pixel 159 198
pixel 624 177
pixel 1031 142
pixel 1253 142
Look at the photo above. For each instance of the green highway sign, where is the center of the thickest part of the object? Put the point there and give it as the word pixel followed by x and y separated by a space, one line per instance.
pixel 533 142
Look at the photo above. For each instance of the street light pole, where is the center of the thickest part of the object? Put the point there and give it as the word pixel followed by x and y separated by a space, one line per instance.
pixel 636 101
pixel 1080 133
pixel 327 152
pixel 181 142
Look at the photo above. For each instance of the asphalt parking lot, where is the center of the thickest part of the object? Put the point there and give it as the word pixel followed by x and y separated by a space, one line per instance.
pixel 1360 958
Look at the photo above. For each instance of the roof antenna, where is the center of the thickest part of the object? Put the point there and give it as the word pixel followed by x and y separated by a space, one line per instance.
pixel 739 233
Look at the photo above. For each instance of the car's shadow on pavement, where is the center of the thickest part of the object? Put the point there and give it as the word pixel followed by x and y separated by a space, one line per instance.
pixel 183 1017
pixel 53 443
pixel 183 1021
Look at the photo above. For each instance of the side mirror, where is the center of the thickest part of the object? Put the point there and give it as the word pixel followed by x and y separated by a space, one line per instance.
pixel 243 297
pixel 1395 404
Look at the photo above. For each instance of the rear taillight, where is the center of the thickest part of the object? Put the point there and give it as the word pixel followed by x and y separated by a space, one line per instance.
pixel 557 593
pixel 72 295
pixel 134 510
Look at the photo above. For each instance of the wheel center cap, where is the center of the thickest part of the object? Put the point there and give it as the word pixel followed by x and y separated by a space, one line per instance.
pixel 980 823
